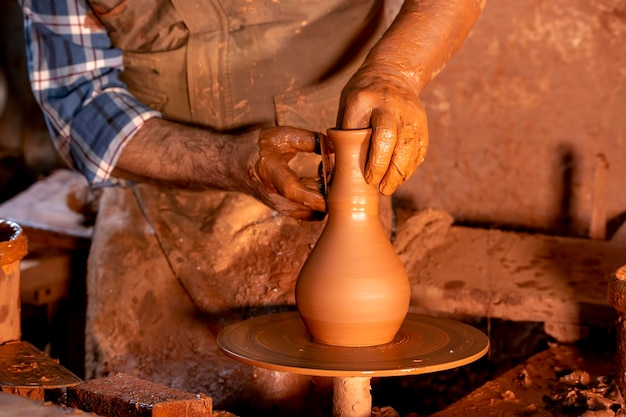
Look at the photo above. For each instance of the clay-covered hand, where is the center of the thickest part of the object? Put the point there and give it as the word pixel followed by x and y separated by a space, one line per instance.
pixel 275 183
pixel 254 162
pixel 383 98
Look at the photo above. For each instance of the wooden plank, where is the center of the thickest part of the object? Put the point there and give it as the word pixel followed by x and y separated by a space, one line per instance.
pixel 23 367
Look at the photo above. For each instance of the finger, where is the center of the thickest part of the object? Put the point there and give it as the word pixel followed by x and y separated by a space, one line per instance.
pixel 383 143
pixel 299 140
pixel 408 155
pixel 295 191
pixel 312 184
pixel 356 113
pixel 291 209
pixel 288 185
pixel 402 159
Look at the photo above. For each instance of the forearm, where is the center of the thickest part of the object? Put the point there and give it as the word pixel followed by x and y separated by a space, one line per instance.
pixel 423 37
pixel 178 155
pixel 384 93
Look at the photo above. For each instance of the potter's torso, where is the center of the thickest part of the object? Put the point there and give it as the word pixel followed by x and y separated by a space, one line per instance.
pixel 236 63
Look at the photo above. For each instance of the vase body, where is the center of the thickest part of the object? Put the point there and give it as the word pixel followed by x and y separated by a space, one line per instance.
pixel 353 289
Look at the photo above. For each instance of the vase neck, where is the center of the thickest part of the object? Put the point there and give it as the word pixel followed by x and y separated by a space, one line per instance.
pixel 349 192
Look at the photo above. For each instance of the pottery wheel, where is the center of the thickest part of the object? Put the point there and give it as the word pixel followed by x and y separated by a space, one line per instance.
pixel 423 344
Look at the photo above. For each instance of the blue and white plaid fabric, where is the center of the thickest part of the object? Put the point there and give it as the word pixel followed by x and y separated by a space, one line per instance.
pixel 74 73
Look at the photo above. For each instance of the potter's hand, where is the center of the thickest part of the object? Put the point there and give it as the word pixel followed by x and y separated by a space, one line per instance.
pixel 384 99
pixel 384 92
pixel 254 162
pixel 276 184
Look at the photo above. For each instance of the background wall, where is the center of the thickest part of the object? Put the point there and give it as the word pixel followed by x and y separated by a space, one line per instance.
pixel 520 113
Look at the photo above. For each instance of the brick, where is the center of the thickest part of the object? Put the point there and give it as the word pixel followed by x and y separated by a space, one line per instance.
pixel 123 395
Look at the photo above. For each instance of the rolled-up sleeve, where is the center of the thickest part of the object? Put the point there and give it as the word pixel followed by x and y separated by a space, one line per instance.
pixel 74 73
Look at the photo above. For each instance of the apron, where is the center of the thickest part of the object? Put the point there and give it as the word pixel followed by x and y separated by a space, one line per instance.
pixel 169 268
pixel 237 63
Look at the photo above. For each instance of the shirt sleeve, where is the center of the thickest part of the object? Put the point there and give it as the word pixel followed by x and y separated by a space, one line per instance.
pixel 74 73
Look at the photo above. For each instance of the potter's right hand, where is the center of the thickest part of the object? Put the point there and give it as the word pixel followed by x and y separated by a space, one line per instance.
pixel 275 183
pixel 383 98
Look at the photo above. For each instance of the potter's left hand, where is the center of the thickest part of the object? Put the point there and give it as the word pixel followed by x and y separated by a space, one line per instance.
pixel 384 99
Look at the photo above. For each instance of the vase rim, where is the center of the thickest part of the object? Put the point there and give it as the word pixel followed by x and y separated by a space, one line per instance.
pixel 11 227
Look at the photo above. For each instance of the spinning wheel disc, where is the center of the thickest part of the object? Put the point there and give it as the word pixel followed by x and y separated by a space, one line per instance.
pixel 423 344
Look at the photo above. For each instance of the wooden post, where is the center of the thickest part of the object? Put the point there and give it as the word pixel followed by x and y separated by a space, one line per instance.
pixel 597 229
pixel 13 247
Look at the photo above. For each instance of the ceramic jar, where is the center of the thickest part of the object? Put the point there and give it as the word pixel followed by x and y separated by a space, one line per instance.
pixel 353 289
pixel 13 247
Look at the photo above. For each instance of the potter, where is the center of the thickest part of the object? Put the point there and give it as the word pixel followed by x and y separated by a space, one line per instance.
pixel 195 112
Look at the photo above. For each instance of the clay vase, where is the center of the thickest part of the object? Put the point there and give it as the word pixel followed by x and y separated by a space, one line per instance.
pixel 13 247
pixel 353 289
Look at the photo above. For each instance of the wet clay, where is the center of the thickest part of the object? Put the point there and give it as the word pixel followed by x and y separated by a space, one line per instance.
pixel 353 289
pixel 13 247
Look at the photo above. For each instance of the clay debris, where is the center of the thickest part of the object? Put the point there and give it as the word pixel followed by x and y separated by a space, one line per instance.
pixel 577 394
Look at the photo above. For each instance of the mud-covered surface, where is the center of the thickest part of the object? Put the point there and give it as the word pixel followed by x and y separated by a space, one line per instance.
pixel 562 380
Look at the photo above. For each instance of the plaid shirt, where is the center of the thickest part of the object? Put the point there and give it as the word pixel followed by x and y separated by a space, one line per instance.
pixel 74 73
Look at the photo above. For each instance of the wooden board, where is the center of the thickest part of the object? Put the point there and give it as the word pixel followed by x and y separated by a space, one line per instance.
pixel 27 371
pixel 559 281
